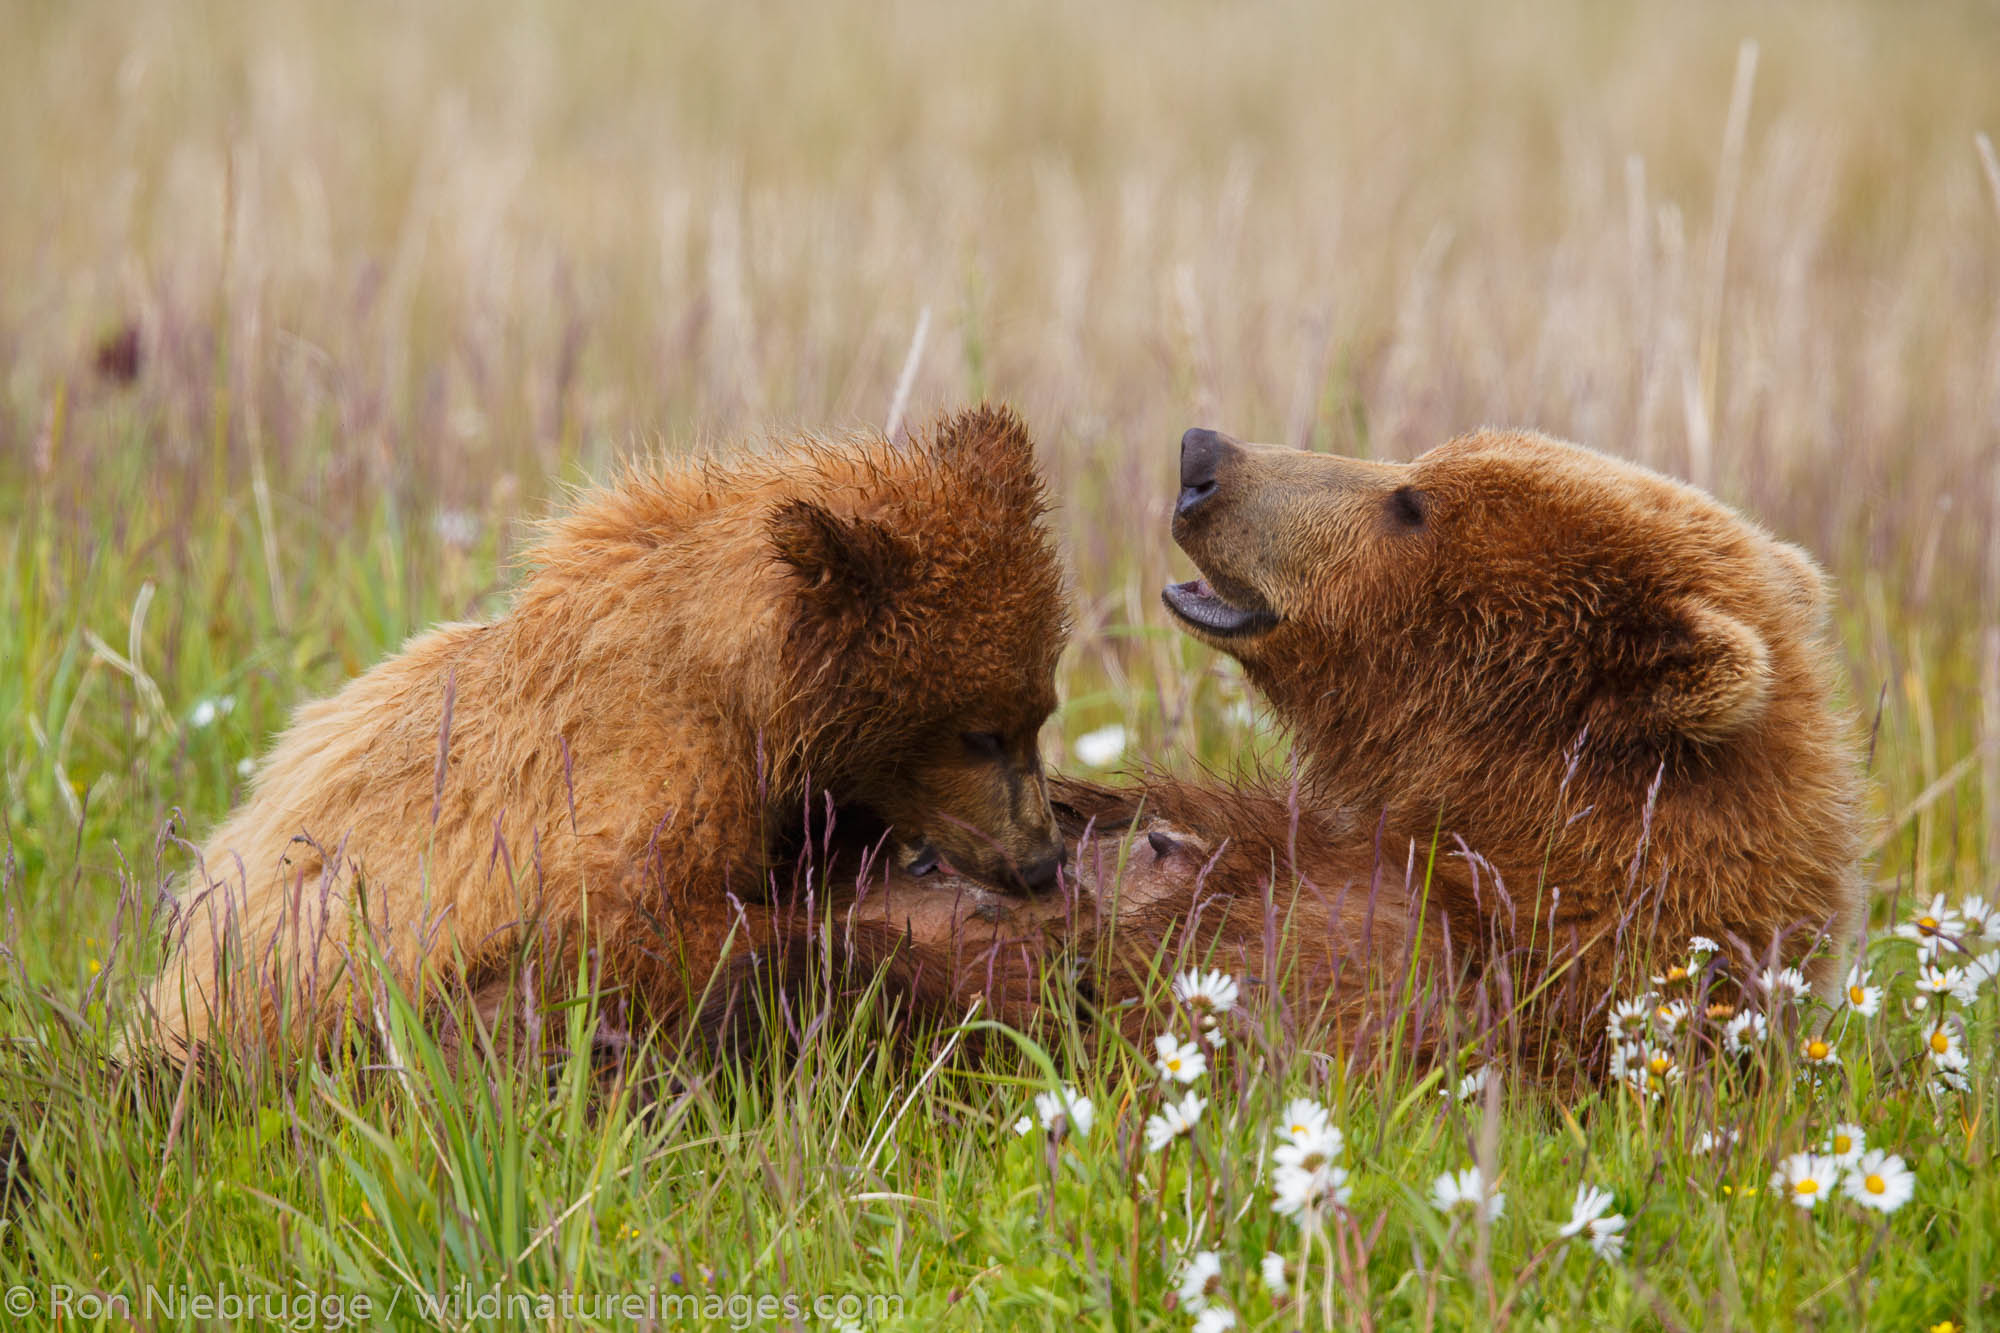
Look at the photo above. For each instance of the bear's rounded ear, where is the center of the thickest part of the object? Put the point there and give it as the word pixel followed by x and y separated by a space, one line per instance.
pixel 1708 676
pixel 842 563
pixel 988 444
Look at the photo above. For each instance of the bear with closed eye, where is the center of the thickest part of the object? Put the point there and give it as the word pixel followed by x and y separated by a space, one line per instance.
pixel 702 657
pixel 1605 696
pixel 1556 714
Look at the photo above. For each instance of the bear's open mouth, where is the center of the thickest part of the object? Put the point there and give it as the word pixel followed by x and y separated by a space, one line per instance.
pixel 1199 604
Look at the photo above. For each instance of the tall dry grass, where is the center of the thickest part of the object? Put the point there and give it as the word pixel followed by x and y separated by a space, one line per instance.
pixel 394 274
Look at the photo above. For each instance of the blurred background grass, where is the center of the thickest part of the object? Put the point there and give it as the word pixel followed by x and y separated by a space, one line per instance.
pixel 304 308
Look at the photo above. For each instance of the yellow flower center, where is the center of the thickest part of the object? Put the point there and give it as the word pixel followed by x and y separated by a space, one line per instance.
pixel 1875 1184
pixel 1927 924
pixel 1676 972
pixel 1174 1064
pixel 1807 1187
pixel 1856 995
pixel 1842 1144
pixel 1817 1049
pixel 1940 1041
pixel 1660 1064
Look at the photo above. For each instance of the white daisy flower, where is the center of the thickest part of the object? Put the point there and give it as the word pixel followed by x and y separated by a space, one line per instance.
pixel 1024 1124
pixel 1819 1051
pixel 1933 928
pixel 1781 984
pixel 1100 748
pixel 1624 1056
pixel 1701 947
pixel 1470 1086
pixel 1308 1196
pixel 1676 973
pixel 1215 1319
pixel 1966 981
pixel 1178 1061
pixel 1276 1272
pixel 1978 971
pixel 1628 1018
pixel 1805 1178
pixel 1310 1152
pixel 1880 1180
pixel 1201 1278
pixel 1712 1140
pixel 1591 1204
pixel 1591 1217
pixel 1303 1118
pixel 1944 1048
pixel 1469 1186
pixel 1175 1119
pixel 1668 1018
pixel 1949 1080
pixel 1845 1144
pixel 1938 981
pixel 1858 995
pixel 1655 1072
pixel 1745 1033
pixel 1208 994
pixel 1982 919
pixel 1607 1237
pixel 1065 1109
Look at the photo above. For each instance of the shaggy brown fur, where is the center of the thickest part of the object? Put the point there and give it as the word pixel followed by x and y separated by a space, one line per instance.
pixel 702 658
pixel 1164 876
pixel 1609 692
pixel 1559 711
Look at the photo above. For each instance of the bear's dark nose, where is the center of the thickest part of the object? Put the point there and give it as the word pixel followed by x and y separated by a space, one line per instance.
pixel 1203 453
pixel 1040 876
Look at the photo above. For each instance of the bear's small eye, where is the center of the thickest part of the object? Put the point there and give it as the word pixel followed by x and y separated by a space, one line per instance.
pixel 983 744
pixel 1409 506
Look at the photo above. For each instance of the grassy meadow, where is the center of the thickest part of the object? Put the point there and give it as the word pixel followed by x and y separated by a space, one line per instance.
pixel 307 311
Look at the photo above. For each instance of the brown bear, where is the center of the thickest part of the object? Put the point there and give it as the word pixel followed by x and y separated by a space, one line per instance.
pixel 1557 713
pixel 702 659
pixel 1605 697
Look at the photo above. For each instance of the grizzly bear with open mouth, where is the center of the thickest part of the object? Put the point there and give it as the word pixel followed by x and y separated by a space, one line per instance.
pixel 1606 692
